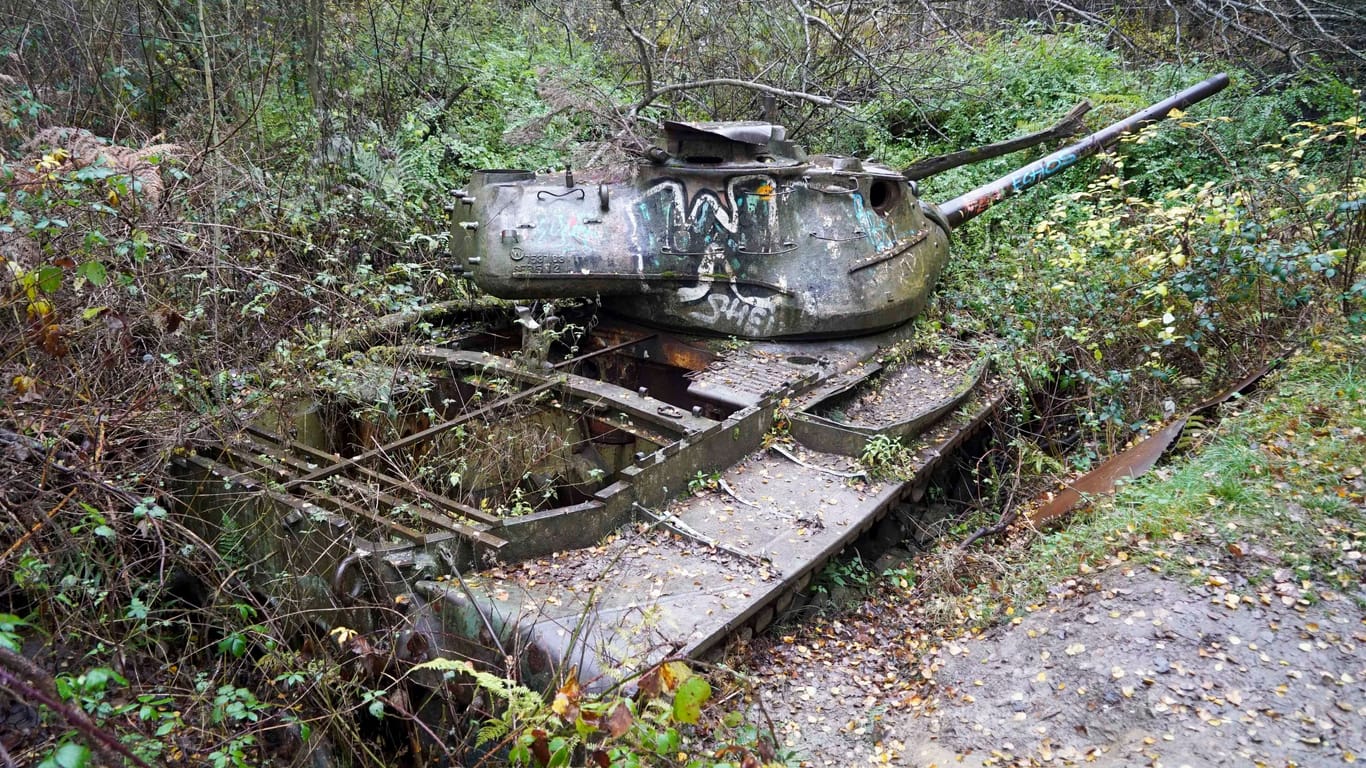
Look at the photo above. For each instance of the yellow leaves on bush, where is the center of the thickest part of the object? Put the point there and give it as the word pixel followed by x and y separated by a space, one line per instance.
pixel 566 703
pixel 343 635
pixel 51 161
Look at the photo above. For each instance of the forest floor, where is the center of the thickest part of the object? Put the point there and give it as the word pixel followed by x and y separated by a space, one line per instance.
pixel 1134 668
pixel 1213 614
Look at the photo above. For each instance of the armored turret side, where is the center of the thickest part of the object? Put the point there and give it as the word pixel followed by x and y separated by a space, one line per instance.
pixel 834 249
pixel 718 234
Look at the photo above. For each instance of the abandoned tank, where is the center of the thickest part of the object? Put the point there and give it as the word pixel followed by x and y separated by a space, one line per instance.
pixel 604 492
pixel 731 229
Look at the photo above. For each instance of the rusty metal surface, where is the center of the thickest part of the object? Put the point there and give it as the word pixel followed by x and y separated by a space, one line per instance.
pixel 1137 459
pixel 1131 462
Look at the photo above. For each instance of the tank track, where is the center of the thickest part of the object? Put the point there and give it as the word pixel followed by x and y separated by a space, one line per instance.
pixel 724 485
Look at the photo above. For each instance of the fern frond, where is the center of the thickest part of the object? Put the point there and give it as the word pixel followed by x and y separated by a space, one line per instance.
pixel 491 730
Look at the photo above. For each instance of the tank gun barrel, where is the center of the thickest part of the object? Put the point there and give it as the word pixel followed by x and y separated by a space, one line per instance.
pixel 967 206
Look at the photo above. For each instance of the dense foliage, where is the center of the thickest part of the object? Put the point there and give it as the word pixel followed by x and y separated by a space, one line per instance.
pixel 201 202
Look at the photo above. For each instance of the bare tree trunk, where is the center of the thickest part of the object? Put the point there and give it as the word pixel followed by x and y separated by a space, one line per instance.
pixel 209 91
pixel 313 46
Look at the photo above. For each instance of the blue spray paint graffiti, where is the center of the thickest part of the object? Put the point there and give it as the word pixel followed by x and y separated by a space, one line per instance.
pixel 691 226
pixel 1037 172
pixel 873 226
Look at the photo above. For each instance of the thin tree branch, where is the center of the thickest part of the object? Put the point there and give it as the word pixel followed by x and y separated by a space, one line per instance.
pixel 655 93
pixel 14 665
pixel 641 50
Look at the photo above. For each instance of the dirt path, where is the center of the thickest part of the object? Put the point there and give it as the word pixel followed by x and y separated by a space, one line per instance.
pixel 1131 669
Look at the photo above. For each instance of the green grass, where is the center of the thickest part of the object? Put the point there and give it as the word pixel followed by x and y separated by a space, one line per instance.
pixel 1276 489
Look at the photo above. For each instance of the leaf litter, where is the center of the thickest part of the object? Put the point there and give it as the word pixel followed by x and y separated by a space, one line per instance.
pixel 1234 634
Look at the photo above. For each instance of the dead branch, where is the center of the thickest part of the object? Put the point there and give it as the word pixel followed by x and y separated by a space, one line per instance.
pixel 642 49
pixel 15 669
pixel 1010 511
pixel 1070 125
pixel 749 85
pixel 1294 30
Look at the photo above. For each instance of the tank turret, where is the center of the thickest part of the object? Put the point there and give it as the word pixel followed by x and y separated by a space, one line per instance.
pixel 731 229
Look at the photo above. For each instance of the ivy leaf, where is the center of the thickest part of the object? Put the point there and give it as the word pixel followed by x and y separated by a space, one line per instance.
pixel 233 645
pixel 93 173
pixel 95 272
pixel 9 632
pixel 560 753
pixel 692 694
pixel 68 755
pixel 49 278
pixel 666 742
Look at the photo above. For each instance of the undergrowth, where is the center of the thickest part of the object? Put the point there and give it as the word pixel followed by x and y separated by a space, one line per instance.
pixel 1116 308
pixel 155 297
pixel 1274 491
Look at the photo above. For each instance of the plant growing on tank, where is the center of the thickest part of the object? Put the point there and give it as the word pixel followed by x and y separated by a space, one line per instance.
pixel 885 456
pixel 703 482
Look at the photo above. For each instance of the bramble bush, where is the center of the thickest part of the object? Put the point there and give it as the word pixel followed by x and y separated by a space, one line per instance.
pixel 1142 300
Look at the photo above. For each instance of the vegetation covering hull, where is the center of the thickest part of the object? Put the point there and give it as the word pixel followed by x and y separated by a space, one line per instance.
pixel 732 231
